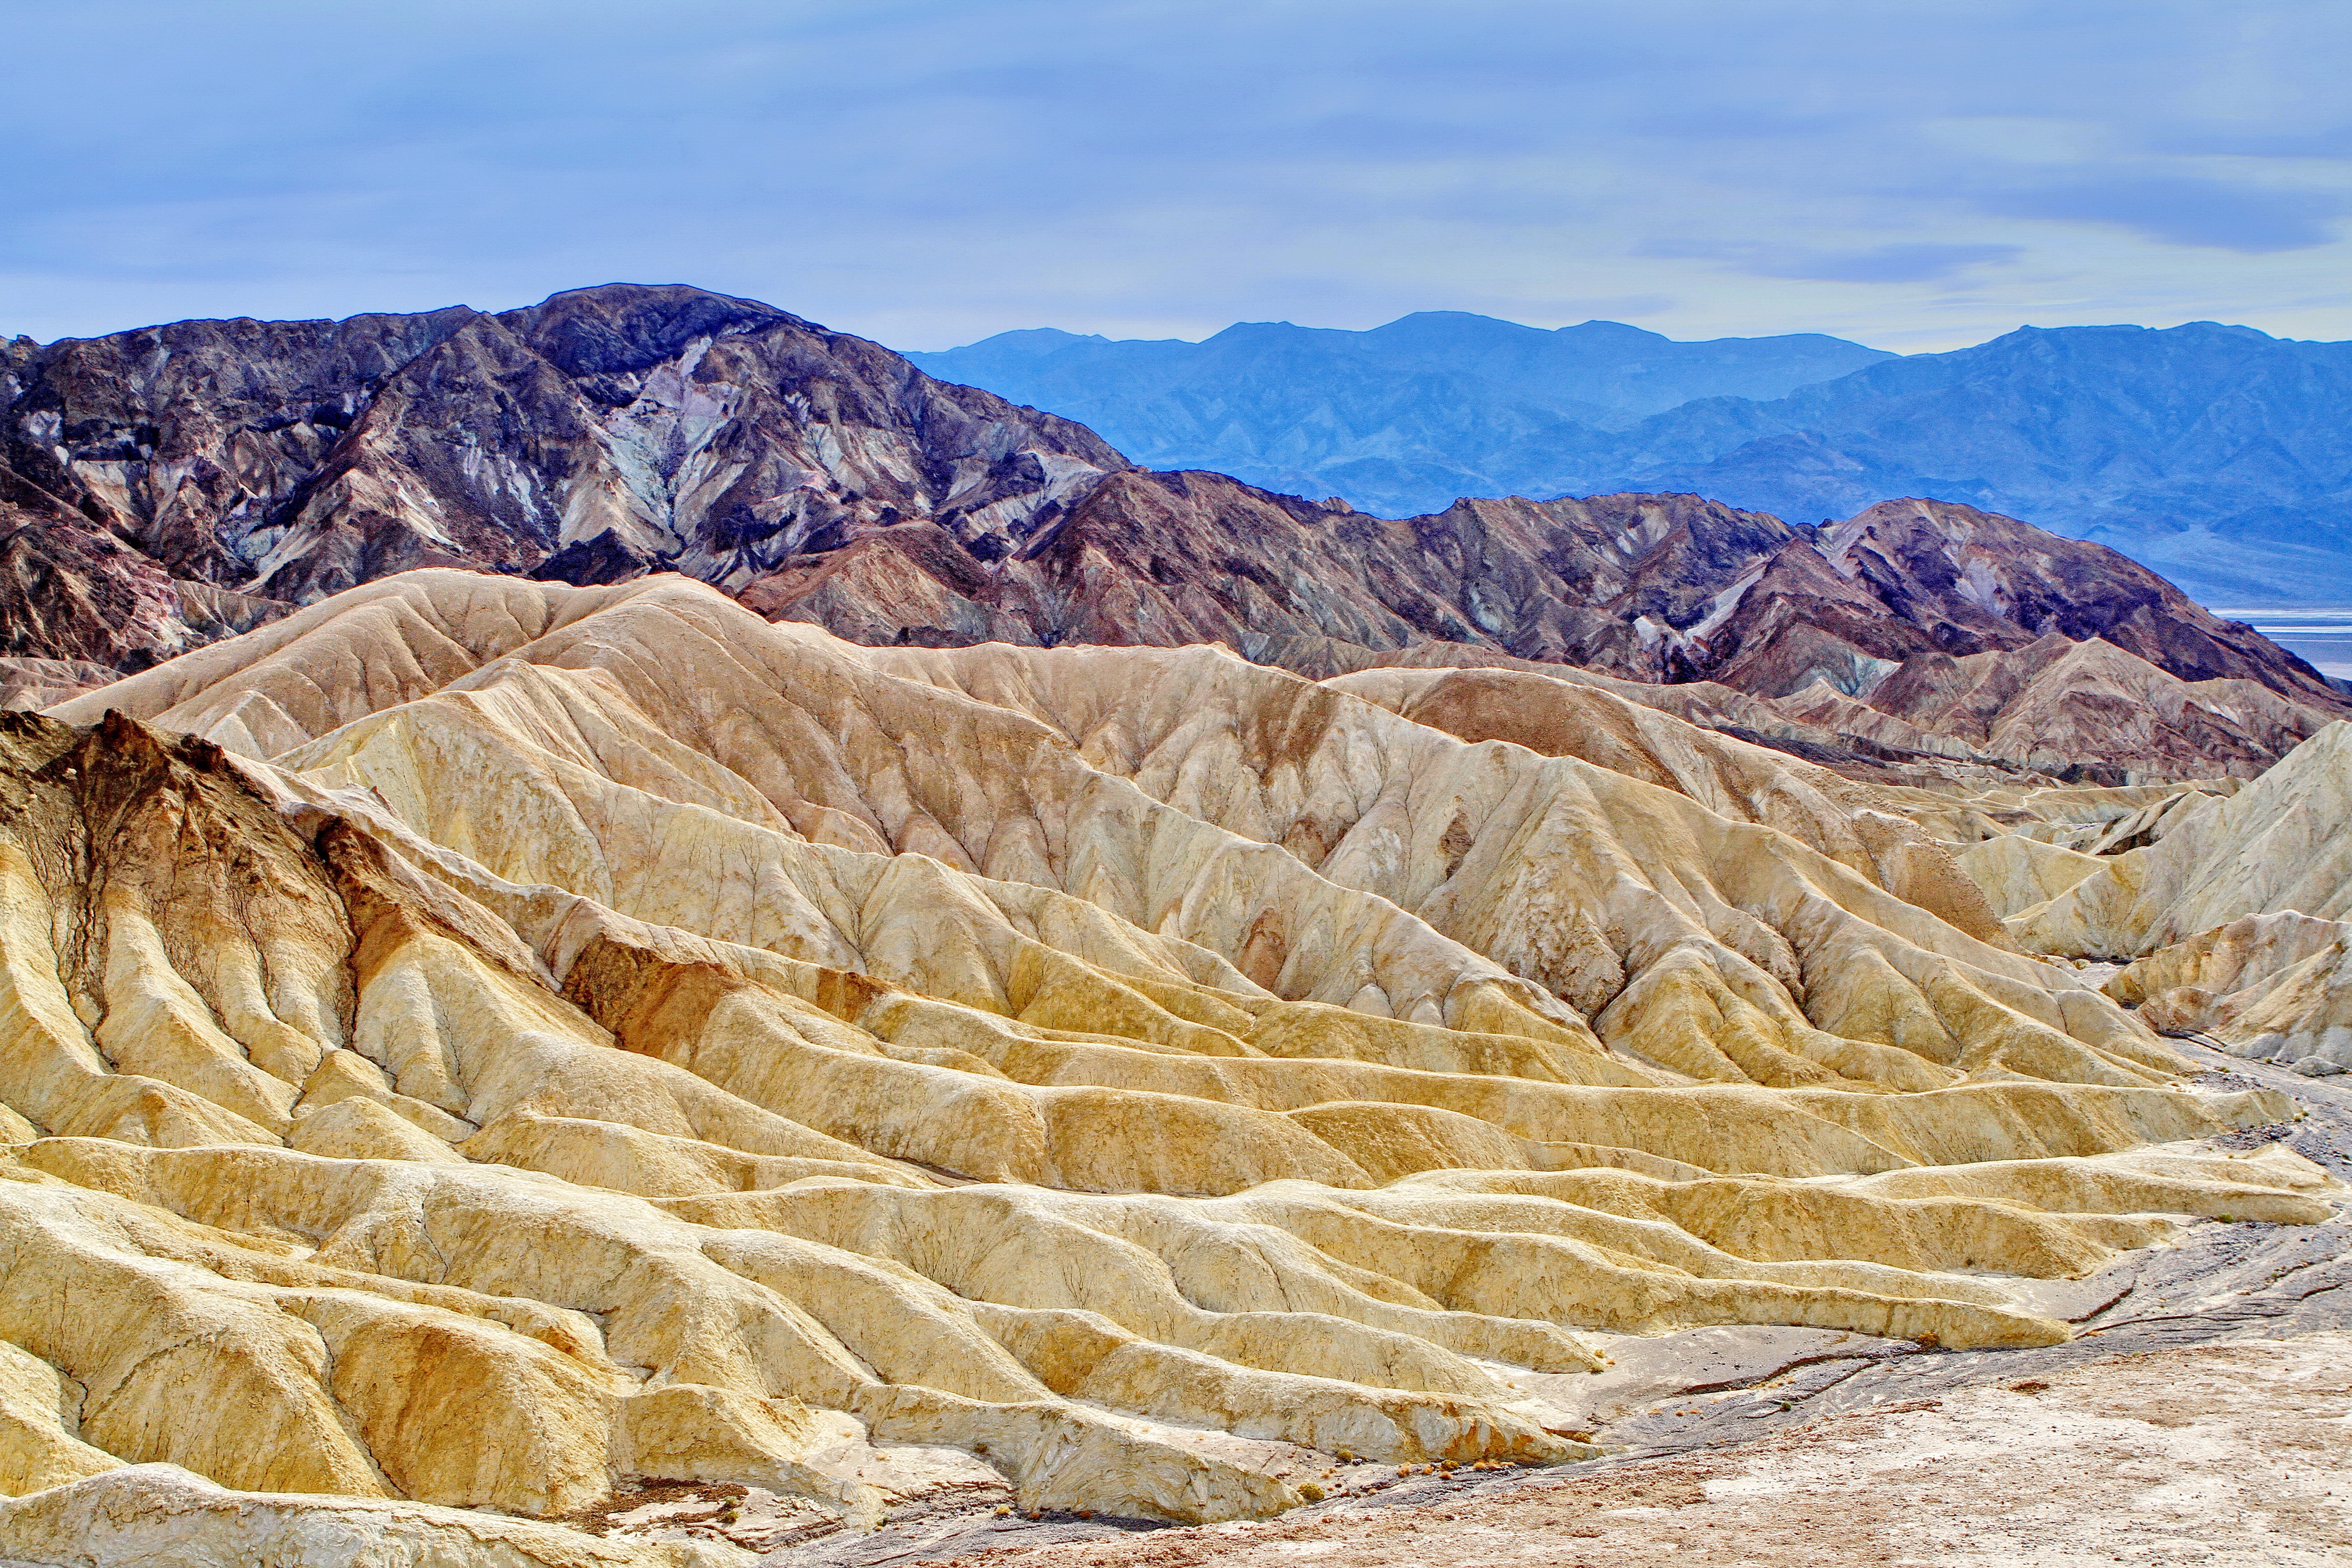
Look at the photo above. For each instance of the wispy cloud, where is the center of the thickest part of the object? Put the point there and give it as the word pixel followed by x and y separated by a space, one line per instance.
pixel 1890 263
pixel 1901 262
pixel 2174 209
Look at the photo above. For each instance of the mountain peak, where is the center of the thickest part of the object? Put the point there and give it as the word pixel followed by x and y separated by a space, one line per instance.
pixel 1599 331
pixel 621 327
pixel 1036 340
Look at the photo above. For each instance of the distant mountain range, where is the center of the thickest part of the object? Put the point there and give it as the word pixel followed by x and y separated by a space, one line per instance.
pixel 1400 419
pixel 2217 453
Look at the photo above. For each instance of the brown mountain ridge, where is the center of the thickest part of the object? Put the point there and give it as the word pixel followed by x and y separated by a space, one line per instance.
pixel 173 485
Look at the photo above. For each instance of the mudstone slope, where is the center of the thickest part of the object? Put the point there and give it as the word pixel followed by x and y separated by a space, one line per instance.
pixel 473 1046
pixel 2228 909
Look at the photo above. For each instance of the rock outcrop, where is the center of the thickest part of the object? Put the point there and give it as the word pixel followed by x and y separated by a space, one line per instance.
pixel 2270 847
pixel 1855 824
pixel 2069 708
pixel 2226 905
pixel 591 435
pixel 1913 580
pixel 1915 628
pixel 144 1514
pixel 75 599
pixel 473 1043
pixel 2270 987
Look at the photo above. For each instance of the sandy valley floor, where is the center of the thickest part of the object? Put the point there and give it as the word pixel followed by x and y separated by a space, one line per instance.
pixel 2229 1454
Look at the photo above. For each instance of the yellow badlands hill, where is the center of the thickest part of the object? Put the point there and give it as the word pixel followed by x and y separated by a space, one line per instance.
pixel 474 1042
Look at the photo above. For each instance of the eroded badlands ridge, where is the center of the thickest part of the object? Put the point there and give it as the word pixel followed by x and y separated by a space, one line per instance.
pixel 474 1042
pixel 165 487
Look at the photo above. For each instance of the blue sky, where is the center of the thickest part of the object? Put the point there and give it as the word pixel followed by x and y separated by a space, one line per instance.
pixel 1913 173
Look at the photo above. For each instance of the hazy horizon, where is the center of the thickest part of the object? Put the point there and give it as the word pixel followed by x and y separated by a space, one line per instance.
pixel 1914 178
pixel 1792 331
pixel 9 330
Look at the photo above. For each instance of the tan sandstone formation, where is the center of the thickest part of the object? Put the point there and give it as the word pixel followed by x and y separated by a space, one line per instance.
pixel 149 1514
pixel 1859 827
pixel 2275 987
pixel 2272 846
pixel 473 1042
pixel 2054 703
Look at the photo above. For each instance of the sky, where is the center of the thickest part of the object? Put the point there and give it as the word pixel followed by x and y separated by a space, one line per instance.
pixel 1911 174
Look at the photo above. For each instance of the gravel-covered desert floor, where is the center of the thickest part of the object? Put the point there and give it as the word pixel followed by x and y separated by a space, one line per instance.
pixel 2227 1454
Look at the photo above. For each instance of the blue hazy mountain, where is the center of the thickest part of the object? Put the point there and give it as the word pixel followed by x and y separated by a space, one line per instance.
pixel 2217 454
pixel 1400 419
